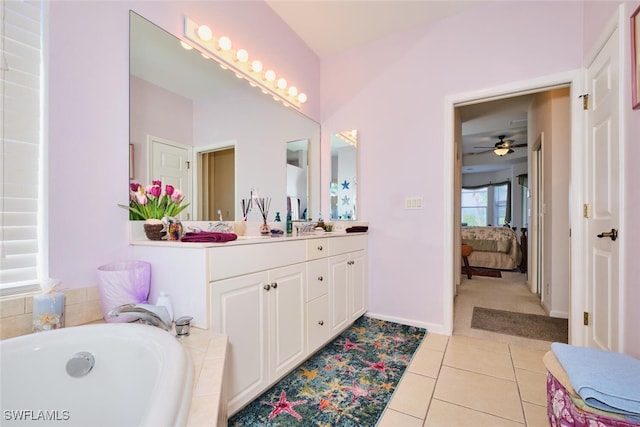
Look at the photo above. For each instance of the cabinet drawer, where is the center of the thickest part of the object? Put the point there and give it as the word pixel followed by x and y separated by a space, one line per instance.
pixel 231 261
pixel 317 248
pixel 344 244
pixel 317 278
pixel 318 325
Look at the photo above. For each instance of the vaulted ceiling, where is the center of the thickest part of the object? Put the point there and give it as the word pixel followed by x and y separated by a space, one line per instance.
pixel 331 27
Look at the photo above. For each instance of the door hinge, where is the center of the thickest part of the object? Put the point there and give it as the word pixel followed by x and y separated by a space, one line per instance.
pixel 585 101
pixel 188 165
pixel 585 210
pixel 585 318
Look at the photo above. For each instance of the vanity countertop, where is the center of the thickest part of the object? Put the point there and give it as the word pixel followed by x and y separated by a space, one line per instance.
pixel 242 240
pixel 138 238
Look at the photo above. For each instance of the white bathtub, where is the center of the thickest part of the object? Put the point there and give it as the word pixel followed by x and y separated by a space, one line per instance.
pixel 142 376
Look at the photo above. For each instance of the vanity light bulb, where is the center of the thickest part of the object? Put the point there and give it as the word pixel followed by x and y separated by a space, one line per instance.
pixel 282 83
pixel 293 91
pixel 204 33
pixel 242 55
pixel 270 75
pixel 256 66
pixel 302 98
pixel 224 43
pixel 185 45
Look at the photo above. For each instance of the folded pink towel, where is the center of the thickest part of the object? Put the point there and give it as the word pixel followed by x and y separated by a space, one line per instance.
pixel 208 236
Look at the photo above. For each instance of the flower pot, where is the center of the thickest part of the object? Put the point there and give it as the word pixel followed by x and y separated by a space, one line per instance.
pixel 154 231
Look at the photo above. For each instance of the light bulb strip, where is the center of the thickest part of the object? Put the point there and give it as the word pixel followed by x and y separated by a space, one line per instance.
pixel 264 78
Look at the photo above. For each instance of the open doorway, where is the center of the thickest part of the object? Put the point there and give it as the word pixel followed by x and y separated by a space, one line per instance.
pixel 216 184
pixel 500 147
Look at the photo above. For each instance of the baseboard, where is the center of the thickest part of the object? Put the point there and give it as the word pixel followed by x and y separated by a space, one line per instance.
pixel 430 327
pixel 559 314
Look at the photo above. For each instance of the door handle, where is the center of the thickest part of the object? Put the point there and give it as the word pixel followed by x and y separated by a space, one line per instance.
pixel 613 234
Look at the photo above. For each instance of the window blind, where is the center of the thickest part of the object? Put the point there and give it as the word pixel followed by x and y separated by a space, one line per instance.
pixel 21 115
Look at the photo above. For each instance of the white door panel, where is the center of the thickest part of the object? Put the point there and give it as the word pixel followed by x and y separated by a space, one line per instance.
pixel 603 197
pixel 170 163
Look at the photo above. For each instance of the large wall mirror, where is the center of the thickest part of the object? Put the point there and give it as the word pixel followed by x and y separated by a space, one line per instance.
pixel 344 177
pixel 197 126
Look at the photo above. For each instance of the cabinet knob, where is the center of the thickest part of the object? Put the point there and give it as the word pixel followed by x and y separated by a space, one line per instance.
pixel 274 285
pixel 320 247
pixel 320 278
pixel 350 262
pixel 321 322
pixel 267 287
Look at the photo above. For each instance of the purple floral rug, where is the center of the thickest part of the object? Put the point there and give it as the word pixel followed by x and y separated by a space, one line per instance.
pixel 347 383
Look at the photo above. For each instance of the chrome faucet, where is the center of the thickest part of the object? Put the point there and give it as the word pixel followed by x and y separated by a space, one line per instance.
pixel 220 226
pixel 154 315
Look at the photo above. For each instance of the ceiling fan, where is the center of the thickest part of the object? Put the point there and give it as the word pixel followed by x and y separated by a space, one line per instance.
pixel 502 147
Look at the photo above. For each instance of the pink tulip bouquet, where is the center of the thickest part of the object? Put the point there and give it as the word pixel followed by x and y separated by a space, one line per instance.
pixel 152 203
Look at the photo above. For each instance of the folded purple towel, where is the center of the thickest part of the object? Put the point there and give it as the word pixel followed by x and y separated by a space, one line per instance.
pixel 208 236
pixel 357 229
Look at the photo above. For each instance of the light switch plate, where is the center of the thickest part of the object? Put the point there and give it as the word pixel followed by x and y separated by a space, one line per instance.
pixel 413 203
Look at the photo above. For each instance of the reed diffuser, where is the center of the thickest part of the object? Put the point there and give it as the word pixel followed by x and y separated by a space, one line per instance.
pixel 263 204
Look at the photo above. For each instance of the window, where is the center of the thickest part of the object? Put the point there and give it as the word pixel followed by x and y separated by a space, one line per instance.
pixel 500 204
pixel 21 153
pixel 486 205
pixel 474 206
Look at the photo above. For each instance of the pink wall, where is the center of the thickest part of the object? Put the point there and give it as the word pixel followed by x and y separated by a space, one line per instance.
pixel 88 117
pixel 394 94
pixel 157 112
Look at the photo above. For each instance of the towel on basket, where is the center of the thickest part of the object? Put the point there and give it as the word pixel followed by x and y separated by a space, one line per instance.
pixel 208 236
pixel 605 380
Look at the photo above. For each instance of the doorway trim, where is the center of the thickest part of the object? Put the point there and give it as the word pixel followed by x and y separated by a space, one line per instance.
pixel 574 80
pixel 197 151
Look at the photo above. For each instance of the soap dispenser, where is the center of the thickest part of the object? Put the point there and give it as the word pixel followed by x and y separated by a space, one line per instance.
pixel 289 224
pixel 164 301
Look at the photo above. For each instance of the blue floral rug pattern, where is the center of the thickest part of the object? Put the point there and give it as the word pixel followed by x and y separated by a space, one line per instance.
pixel 347 383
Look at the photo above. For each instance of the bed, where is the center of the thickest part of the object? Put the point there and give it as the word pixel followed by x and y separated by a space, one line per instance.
pixel 493 247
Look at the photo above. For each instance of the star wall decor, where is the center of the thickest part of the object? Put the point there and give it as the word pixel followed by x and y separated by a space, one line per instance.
pixel 346 200
pixel 345 185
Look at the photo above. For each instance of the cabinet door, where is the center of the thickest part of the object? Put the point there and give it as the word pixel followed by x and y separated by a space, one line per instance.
pixel 239 311
pixel 357 270
pixel 318 328
pixel 338 293
pixel 317 278
pixel 286 319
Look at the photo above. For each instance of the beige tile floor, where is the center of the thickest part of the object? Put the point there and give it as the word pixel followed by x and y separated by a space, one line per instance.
pixel 465 380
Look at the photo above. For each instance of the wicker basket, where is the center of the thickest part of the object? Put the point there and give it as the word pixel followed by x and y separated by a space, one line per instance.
pixel 154 231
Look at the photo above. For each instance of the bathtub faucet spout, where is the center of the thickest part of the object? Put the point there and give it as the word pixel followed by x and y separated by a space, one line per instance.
pixel 150 314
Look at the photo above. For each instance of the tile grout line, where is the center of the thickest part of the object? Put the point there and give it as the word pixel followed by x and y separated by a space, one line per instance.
pixel 435 384
pixel 515 375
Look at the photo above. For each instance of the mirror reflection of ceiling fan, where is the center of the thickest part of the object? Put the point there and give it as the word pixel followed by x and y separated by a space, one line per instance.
pixel 502 147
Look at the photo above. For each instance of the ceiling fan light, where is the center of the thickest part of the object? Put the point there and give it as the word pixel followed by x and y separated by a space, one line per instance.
pixel 501 151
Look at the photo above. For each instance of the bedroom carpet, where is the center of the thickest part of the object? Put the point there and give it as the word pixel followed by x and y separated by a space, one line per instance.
pixel 532 326
pixel 347 383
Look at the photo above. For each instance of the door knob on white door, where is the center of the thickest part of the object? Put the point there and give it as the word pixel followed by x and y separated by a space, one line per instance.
pixel 613 234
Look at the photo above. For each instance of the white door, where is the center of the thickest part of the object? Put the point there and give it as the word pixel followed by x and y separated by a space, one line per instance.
pixel 286 318
pixel 240 314
pixel 358 283
pixel 338 293
pixel 603 198
pixel 171 163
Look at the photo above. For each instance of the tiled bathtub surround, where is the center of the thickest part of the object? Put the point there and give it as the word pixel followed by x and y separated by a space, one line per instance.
pixel 82 305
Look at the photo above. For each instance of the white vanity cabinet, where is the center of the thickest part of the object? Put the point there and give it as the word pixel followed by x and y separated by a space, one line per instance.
pixel 318 313
pixel 277 300
pixel 348 293
pixel 263 316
